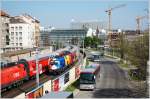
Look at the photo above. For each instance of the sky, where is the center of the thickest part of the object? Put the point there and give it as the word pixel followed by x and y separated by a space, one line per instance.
pixel 59 13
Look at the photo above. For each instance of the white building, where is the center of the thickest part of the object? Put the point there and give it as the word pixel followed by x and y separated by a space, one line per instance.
pixel 35 28
pixel 4 31
pixel 20 34
pixel 23 32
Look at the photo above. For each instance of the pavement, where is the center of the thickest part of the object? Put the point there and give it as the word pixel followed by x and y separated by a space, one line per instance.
pixel 113 83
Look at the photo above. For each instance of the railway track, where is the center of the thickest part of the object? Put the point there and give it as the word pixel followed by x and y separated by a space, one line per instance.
pixel 31 84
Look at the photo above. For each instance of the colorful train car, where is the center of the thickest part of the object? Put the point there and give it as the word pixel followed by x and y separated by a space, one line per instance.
pixel 25 69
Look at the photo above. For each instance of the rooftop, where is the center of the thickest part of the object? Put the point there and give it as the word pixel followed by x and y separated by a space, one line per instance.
pixel 2 13
pixel 16 20
pixel 69 30
pixel 29 16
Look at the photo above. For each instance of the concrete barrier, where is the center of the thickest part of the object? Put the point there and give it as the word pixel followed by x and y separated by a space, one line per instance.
pixel 21 96
pixel 47 86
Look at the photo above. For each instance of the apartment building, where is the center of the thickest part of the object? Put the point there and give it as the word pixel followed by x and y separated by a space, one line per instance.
pixel 35 25
pixel 20 34
pixel 4 31
pixel 24 32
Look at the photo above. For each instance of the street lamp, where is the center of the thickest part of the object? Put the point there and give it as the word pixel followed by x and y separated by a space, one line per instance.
pixel 36 52
pixel 37 68
pixel 68 43
pixel 83 44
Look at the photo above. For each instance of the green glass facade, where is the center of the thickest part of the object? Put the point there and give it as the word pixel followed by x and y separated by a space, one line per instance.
pixel 67 36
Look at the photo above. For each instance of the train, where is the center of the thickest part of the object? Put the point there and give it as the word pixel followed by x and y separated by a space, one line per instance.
pixel 15 73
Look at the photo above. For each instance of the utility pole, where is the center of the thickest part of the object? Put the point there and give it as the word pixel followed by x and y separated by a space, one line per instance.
pixel 37 64
pixel 37 68
pixel 83 44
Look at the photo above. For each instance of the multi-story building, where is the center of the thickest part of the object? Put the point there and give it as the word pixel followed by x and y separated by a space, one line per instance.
pixel 63 37
pixel 24 32
pixel 34 23
pixel 4 31
pixel 20 34
pixel 94 27
pixel 44 33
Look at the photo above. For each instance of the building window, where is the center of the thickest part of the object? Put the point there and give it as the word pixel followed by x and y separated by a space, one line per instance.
pixel 12 28
pixel 16 33
pixel 12 33
pixel 20 28
pixel 6 24
pixel 12 44
pixel 20 33
pixel 12 38
pixel 16 28
pixel 20 38
pixel 16 38
pixel 7 40
pixel 20 44
pixel 16 44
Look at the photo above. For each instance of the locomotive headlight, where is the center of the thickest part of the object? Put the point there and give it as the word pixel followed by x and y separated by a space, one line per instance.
pixel 54 67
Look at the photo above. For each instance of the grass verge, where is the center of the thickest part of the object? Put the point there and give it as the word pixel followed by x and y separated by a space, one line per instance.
pixel 110 56
pixel 87 62
pixel 120 63
pixel 73 86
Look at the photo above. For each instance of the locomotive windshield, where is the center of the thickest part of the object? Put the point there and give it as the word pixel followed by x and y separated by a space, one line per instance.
pixel 57 63
pixel 87 78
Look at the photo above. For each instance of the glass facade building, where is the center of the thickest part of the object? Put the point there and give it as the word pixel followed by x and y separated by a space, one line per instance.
pixel 63 37
pixel 68 36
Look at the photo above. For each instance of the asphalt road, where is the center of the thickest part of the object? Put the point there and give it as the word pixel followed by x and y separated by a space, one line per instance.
pixel 112 83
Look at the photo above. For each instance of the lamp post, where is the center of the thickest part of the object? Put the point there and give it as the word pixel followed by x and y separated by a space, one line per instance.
pixel 83 44
pixel 37 68
pixel 36 52
pixel 68 42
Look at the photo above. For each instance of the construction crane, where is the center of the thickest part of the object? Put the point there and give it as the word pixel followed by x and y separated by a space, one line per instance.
pixel 109 11
pixel 138 19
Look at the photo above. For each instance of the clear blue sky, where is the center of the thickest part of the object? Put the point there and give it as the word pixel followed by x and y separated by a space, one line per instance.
pixel 58 13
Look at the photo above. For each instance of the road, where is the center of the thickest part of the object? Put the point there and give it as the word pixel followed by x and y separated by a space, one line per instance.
pixel 112 83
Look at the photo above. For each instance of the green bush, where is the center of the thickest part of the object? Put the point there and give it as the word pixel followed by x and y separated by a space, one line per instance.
pixel 137 74
pixel 73 86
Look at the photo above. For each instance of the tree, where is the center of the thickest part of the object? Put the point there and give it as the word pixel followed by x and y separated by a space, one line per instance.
pixel 122 45
pixel 87 41
pixel 95 41
pixel 138 54
pixel 92 41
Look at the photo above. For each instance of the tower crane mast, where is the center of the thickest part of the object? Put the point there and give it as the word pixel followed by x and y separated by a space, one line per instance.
pixel 109 11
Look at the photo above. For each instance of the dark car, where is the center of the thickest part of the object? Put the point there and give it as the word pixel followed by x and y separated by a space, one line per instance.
pixel 90 58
